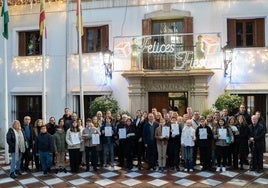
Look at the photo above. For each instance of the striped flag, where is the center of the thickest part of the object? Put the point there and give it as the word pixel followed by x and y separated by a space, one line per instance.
pixel 42 18
pixel 79 18
pixel 5 16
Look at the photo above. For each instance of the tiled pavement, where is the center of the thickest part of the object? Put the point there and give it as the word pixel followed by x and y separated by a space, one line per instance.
pixel 142 179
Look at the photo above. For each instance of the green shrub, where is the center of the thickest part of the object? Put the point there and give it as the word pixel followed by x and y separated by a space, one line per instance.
pixel 229 101
pixel 103 104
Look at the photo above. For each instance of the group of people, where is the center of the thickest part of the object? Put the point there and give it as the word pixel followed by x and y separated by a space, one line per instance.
pixel 162 140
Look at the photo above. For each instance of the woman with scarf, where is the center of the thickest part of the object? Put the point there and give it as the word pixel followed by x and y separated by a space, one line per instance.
pixel 17 143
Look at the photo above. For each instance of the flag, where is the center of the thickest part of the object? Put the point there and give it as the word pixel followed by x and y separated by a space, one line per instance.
pixel 42 18
pixel 5 16
pixel 79 18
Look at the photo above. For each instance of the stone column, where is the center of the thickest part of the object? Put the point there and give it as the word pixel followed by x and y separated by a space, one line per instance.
pixel 136 92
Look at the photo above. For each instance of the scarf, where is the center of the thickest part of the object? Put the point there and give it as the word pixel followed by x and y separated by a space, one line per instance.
pixel 20 143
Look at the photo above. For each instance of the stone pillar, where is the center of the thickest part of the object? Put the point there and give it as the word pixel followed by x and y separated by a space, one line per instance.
pixel 136 92
pixel 198 95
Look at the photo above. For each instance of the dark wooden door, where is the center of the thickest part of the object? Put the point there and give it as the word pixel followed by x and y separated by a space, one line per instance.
pixel 158 100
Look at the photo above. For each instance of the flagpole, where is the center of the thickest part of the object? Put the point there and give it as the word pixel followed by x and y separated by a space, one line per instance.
pixel 6 101
pixel 44 101
pixel 80 61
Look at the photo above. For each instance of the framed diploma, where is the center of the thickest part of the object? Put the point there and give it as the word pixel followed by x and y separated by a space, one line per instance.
pixel 95 139
pixel 203 133
pixel 165 131
pixel 175 129
pixel 122 133
pixel 108 131
pixel 75 138
pixel 222 133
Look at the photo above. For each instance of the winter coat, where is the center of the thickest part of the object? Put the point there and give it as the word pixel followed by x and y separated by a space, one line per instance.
pixel 60 142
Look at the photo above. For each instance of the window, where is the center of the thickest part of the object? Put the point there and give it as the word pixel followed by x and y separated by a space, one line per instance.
pixel 30 106
pixel 30 43
pixel 246 32
pixel 95 39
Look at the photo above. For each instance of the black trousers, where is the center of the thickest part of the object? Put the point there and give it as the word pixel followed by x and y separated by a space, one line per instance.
pixel 74 155
pixel 92 154
pixel 151 152
pixel 205 156
pixel 25 159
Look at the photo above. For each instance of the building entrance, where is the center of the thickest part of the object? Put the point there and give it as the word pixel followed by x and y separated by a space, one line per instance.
pixel 176 101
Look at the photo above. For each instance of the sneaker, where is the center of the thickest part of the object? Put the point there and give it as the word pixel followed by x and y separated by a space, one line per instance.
pixel 218 169
pixel 191 170
pixel 12 175
pixel 223 169
pixel 45 172
pixel 64 170
pixel 18 172
pixel 185 170
pixel 56 171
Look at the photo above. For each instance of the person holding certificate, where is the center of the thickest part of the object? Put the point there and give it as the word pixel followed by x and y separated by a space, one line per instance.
pixel 204 137
pixel 130 142
pixel 162 133
pixel 108 132
pixel 223 136
pixel 73 140
pixel 91 137
pixel 121 135
pixel 188 142
pixel 174 144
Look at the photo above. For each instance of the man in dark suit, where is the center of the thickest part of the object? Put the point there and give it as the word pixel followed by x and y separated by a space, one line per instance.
pixel 148 136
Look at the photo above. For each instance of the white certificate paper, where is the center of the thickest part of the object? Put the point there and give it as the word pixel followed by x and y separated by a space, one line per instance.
pixel 95 139
pixel 175 129
pixel 165 131
pixel 108 131
pixel 203 133
pixel 222 133
pixel 75 138
pixel 122 133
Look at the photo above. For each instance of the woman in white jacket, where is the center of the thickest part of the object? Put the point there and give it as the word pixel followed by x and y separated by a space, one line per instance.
pixel 187 142
pixel 73 139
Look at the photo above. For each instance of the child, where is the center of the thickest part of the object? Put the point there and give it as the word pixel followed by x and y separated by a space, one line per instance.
pixel 73 139
pixel 45 147
pixel 108 131
pixel 204 137
pixel 90 148
pixel 187 142
pixel 161 143
pixel 60 148
pixel 223 137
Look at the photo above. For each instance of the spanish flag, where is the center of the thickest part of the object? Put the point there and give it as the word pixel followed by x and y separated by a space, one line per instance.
pixel 79 18
pixel 42 26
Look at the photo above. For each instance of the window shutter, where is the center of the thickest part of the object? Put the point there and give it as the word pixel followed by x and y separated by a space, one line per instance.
pixel 22 44
pixel 188 28
pixel 147 26
pixel 260 32
pixel 84 41
pixel 104 37
pixel 147 30
pixel 231 32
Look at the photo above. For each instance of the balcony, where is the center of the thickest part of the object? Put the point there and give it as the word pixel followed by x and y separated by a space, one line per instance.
pixel 168 52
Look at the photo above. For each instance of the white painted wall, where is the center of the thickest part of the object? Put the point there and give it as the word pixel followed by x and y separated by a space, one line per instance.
pixel 208 17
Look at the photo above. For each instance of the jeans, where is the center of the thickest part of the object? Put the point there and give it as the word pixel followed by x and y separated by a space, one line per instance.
pixel 15 163
pixel 188 157
pixel 45 159
pixel 108 148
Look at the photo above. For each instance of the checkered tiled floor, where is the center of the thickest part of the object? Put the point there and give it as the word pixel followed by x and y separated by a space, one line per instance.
pixel 118 178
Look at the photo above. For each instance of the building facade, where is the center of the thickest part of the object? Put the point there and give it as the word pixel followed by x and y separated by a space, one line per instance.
pixel 166 54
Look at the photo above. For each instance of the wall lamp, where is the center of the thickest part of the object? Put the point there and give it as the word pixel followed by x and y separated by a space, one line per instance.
pixel 107 56
pixel 228 55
